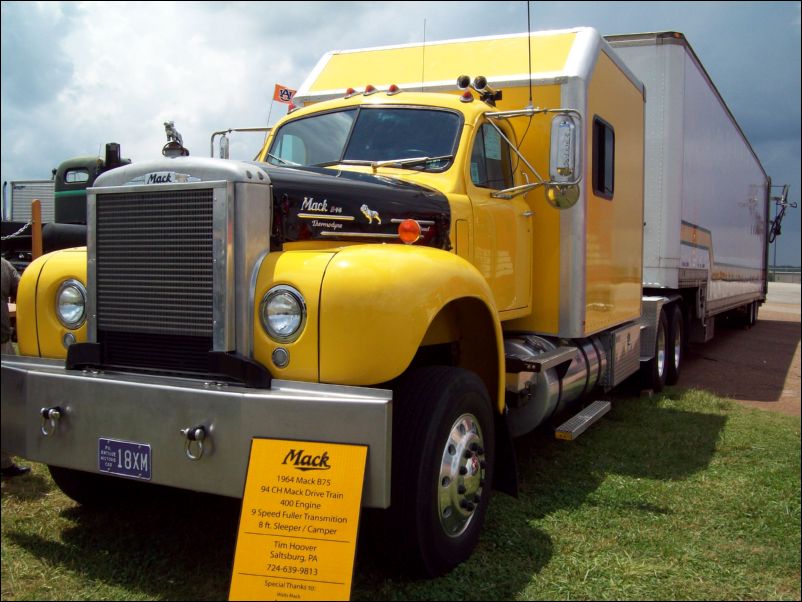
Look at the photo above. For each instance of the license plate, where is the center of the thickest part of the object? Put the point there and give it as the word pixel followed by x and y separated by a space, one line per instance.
pixel 124 458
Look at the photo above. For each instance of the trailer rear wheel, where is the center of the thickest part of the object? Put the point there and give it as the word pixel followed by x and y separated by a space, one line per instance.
pixel 751 314
pixel 654 372
pixel 443 454
pixel 676 342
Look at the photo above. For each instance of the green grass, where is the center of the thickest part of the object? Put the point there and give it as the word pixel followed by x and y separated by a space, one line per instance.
pixel 681 496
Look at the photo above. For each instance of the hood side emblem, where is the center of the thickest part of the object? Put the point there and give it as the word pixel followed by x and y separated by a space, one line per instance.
pixel 370 214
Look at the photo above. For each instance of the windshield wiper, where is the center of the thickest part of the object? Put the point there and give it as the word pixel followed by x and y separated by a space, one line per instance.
pixel 408 162
pixel 280 160
pixel 411 161
pixel 340 162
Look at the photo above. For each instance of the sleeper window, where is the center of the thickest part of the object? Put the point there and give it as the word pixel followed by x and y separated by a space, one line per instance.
pixel 603 158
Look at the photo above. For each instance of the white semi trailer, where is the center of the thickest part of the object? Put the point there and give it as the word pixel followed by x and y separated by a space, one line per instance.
pixel 706 195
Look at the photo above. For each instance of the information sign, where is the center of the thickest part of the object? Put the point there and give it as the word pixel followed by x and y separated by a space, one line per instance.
pixel 298 524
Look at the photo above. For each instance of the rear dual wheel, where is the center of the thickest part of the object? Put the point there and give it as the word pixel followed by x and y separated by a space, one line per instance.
pixel 666 363
pixel 654 372
pixel 676 344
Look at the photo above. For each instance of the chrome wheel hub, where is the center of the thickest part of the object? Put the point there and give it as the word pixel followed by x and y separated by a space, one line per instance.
pixel 462 475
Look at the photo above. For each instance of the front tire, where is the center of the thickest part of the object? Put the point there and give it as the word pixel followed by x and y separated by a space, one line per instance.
pixel 443 454
pixel 94 490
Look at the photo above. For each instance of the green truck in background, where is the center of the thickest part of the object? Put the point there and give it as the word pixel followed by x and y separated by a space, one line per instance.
pixel 63 206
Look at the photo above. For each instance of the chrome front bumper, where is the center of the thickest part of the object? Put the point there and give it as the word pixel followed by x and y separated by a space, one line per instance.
pixel 154 410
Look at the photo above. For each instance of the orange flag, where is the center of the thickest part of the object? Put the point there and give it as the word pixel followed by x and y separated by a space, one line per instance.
pixel 283 94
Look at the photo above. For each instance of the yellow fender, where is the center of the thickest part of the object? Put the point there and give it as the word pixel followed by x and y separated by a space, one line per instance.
pixel 38 330
pixel 303 270
pixel 380 303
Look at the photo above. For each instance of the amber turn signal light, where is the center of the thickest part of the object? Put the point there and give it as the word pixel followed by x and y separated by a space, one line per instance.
pixel 409 231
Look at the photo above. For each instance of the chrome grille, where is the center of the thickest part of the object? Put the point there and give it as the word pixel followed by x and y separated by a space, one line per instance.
pixel 154 269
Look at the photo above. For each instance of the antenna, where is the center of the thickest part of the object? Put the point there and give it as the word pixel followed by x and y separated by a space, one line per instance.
pixel 529 50
pixel 423 58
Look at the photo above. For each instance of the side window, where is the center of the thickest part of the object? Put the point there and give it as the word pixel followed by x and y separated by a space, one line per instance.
pixel 603 158
pixel 490 160
pixel 74 176
pixel 292 148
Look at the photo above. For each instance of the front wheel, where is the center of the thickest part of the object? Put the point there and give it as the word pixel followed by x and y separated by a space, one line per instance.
pixel 94 490
pixel 443 454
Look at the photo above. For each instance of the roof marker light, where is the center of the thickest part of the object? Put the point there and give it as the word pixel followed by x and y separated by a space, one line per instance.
pixel 393 90
pixel 466 96
pixel 369 89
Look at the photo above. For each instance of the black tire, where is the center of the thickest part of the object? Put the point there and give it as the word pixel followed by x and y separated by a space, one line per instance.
pixel 675 348
pixel 443 454
pixel 95 490
pixel 751 314
pixel 654 372
pixel 746 316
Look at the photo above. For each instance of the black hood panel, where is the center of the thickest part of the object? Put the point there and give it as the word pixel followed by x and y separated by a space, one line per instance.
pixel 326 204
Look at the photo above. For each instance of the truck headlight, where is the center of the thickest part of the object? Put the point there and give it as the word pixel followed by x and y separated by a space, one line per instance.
pixel 283 313
pixel 71 304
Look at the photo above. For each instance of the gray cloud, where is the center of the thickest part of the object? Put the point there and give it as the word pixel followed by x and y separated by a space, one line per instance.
pixel 34 65
pixel 77 75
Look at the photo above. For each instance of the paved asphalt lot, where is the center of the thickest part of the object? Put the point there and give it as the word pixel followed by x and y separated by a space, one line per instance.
pixel 759 367
pixel 785 293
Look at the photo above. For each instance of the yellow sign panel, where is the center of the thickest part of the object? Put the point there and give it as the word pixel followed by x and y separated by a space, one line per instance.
pixel 298 526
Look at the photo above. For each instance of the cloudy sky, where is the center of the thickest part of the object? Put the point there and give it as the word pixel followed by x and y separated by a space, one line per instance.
pixel 76 75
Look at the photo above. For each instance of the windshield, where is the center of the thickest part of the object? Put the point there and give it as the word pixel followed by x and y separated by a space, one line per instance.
pixel 368 135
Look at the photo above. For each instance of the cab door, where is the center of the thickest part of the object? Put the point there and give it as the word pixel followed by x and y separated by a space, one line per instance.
pixel 502 228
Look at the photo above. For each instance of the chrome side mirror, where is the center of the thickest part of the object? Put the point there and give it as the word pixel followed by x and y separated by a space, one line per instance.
pixel 565 164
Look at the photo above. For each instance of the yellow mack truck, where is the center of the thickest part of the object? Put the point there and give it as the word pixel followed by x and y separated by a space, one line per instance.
pixel 440 249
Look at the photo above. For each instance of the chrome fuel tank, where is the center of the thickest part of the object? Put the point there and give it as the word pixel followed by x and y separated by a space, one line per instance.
pixel 554 373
